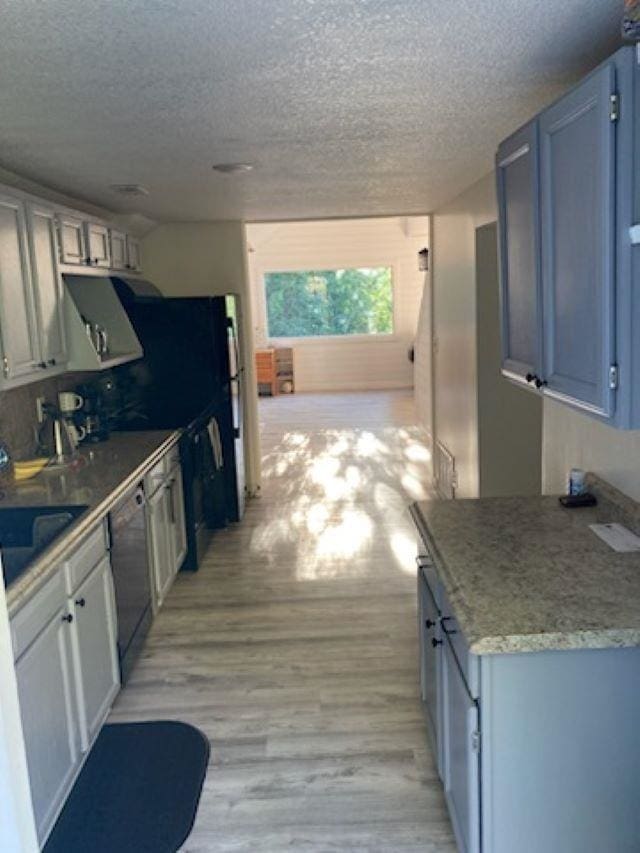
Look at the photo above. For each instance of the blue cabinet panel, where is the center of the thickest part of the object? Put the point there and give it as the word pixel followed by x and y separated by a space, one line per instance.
pixel 520 291
pixel 577 168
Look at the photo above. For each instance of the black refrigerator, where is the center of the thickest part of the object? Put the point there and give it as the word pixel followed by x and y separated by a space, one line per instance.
pixel 190 377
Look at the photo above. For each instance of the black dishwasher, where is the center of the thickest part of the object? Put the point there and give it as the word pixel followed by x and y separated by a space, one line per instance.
pixel 130 566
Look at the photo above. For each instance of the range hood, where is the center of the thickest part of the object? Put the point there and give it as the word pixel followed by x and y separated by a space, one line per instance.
pixel 92 300
pixel 135 289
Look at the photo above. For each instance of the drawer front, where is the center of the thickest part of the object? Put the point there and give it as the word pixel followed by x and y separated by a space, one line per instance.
pixel 28 622
pixel 468 662
pixel 85 557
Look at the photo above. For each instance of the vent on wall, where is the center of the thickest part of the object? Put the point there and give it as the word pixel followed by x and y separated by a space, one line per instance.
pixel 445 472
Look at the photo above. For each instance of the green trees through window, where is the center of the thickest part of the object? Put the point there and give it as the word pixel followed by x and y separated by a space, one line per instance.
pixel 329 302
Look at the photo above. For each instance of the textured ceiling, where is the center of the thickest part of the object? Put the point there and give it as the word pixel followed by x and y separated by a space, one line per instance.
pixel 346 107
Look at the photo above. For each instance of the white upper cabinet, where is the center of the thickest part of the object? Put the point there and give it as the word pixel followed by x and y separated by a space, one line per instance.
pixel 43 254
pixel 18 323
pixel 97 242
pixel 118 241
pixel 133 254
pixel 72 240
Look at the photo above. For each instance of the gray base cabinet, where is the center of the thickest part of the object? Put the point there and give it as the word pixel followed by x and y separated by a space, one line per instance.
pixel 537 751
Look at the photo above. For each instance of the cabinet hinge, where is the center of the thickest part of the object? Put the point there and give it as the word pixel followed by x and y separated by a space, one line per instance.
pixel 5 367
pixel 613 377
pixel 614 107
pixel 475 741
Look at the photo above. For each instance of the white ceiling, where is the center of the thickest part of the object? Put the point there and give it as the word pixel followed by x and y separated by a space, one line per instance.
pixel 346 107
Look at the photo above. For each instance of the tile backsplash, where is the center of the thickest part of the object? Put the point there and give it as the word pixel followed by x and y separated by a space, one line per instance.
pixel 18 423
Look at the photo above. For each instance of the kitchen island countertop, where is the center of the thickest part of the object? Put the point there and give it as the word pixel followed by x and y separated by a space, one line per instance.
pixel 524 574
pixel 100 476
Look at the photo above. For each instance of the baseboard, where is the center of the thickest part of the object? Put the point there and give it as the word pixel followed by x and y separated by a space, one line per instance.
pixel 367 385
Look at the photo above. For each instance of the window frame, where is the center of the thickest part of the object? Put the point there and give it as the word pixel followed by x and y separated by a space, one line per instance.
pixel 309 340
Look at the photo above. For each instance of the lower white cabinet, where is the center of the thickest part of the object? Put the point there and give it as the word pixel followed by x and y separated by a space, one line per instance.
pixel 49 718
pixel 177 525
pixel 160 543
pixel 67 671
pixel 166 526
pixel 95 649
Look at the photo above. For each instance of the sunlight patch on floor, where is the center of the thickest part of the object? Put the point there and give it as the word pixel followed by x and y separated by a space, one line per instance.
pixel 336 487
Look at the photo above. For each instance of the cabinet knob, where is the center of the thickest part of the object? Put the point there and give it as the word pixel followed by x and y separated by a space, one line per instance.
pixel 67 618
pixel 87 261
pixel 42 365
pixel 81 602
pixel 530 377
pixel 429 623
pixel 435 643
pixel 540 383
pixel 52 362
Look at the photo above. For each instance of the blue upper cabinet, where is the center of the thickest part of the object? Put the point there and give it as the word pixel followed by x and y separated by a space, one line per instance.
pixel 577 169
pixel 569 208
pixel 520 292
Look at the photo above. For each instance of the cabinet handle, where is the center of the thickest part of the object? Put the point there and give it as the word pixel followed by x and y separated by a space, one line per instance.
pixel 540 382
pixel 52 362
pixel 67 618
pixel 435 643
pixel 429 623
pixel 42 365
pixel 81 602
pixel 87 261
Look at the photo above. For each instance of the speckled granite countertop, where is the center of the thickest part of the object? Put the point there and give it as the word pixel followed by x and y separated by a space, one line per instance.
pixel 101 476
pixel 524 574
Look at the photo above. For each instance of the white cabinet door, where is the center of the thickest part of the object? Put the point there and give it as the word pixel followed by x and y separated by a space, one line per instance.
pixel 160 543
pixel 72 243
pixel 18 324
pixel 118 250
pixel 176 518
pixel 133 253
pixel 97 242
pixel 47 708
pixel 43 253
pixel 95 649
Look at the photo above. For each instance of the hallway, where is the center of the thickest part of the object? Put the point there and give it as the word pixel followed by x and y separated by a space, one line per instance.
pixel 294 648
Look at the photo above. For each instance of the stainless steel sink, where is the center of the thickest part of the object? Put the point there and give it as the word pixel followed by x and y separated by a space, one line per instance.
pixel 26 531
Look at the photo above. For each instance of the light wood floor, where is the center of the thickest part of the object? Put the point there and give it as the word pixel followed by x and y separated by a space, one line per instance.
pixel 294 648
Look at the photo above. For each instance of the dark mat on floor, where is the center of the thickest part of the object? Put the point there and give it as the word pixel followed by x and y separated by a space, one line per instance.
pixel 137 793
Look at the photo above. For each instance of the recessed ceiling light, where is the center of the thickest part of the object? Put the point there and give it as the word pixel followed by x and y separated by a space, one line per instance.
pixel 232 168
pixel 129 189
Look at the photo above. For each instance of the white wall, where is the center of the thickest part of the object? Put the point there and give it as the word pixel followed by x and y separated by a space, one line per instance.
pixel 210 259
pixel 422 372
pixel 454 286
pixel 571 440
pixel 343 364
pixel 458 342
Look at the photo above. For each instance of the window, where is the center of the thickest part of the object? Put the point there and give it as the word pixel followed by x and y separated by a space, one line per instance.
pixel 329 302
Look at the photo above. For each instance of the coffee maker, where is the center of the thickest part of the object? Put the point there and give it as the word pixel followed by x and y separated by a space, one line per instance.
pixel 92 418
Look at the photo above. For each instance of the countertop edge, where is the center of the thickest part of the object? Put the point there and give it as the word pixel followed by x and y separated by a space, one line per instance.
pixel 18 593
pixel 516 643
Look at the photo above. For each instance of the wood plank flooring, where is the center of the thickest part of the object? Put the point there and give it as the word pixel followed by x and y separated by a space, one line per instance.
pixel 294 648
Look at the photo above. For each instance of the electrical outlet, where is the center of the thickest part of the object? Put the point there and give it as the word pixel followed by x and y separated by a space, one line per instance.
pixel 40 401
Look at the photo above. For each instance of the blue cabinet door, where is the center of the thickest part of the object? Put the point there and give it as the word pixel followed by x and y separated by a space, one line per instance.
pixel 520 284
pixel 577 171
